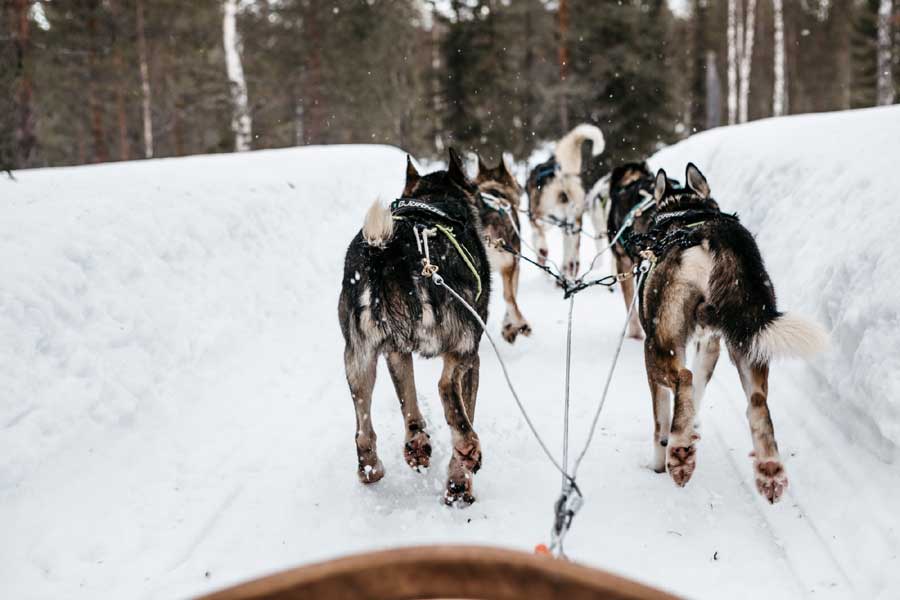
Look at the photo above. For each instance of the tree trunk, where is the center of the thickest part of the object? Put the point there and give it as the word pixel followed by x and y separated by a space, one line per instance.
pixel 746 51
pixel 885 81
pixel 563 57
pixel 119 66
pixel 698 93
pixel 732 37
pixel 713 92
pixel 145 82
pixel 98 130
pixel 241 123
pixel 312 110
pixel 24 134
pixel 779 94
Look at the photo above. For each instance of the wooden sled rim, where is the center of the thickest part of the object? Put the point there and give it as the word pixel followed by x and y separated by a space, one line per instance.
pixel 441 572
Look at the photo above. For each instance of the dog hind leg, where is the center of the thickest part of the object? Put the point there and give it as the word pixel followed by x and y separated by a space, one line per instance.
pixel 360 365
pixel 417 448
pixel 662 422
pixel 702 366
pixel 466 459
pixel 665 367
pixel 771 478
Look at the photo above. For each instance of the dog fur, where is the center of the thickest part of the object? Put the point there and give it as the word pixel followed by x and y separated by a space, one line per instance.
pixel 387 307
pixel 562 194
pixel 716 290
pixel 500 183
pixel 628 184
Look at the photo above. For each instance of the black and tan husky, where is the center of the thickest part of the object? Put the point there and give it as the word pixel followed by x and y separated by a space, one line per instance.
pixel 630 184
pixel 389 307
pixel 710 284
pixel 500 193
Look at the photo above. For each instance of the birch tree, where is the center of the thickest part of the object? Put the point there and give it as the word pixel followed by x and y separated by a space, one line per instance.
pixel 779 94
pixel 732 38
pixel 748 28
pixel 885 82
pixel 740 35
pixel 145 82
pixel 241 123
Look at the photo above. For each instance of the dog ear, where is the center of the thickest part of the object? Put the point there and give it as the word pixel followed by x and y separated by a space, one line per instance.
pixel 482 168
pixel 696 181
pixel 660 189
pixel 456 172
pixel 412 176
pixel 501 168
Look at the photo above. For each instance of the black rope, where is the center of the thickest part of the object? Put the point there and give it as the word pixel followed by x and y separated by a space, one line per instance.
pixel 569 287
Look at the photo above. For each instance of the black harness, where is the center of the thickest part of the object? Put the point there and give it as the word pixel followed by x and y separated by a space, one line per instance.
pixel 545 171
pixel 445 209
pixel 680 228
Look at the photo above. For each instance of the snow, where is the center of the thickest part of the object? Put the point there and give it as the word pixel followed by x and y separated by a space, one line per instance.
pixel 175 418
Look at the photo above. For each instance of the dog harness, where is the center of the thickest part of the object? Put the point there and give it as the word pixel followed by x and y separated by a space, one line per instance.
pixel 545 171
pixel 680 228
pixel 442 213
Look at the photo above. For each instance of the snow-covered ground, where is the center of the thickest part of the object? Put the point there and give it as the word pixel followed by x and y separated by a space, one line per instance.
pixel 175 418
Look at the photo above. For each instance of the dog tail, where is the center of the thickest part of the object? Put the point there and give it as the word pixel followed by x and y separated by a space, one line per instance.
pixel 742 304
pixel 568 150
pixel 378 226
pixel 788 335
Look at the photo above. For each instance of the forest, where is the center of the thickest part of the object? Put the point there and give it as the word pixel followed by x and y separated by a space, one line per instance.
pixel 106 80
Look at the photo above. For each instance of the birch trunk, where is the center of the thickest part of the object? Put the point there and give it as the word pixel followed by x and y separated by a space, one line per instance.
pixel 732 61
pixel 145 82
pixel 746 54
pixel 779 95
pixel 885 84
pixel 241 123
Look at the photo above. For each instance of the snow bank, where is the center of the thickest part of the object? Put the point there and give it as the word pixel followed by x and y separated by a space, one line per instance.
pixel 117 278
pixel 821 194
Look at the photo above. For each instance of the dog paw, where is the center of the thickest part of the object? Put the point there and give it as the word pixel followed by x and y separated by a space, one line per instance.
pixel 459 492
pixel 635 333
pixel 681 462
pixel 371 472
pixel 417 451
pixel 467 455
pixel 512 330
pixel 771 479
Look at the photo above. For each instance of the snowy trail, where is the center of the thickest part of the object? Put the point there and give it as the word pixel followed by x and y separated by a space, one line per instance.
pixel 232 454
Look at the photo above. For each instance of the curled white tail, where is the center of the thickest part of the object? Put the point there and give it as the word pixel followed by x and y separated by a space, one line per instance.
pixel 568 150
pixel 378 226
pixel 788 336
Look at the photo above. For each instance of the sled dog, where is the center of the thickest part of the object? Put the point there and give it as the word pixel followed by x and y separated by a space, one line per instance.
pixel 389 307
pixel 709 284
pixel 556 193
pixel 500 192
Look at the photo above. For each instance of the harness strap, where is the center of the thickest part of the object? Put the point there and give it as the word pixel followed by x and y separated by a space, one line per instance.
pixel 463 253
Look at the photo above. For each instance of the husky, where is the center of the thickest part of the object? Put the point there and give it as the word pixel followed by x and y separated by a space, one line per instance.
pixel 389 306
pixel 629 185
pixel 556 192
pixel 710 284
pixel 500 193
